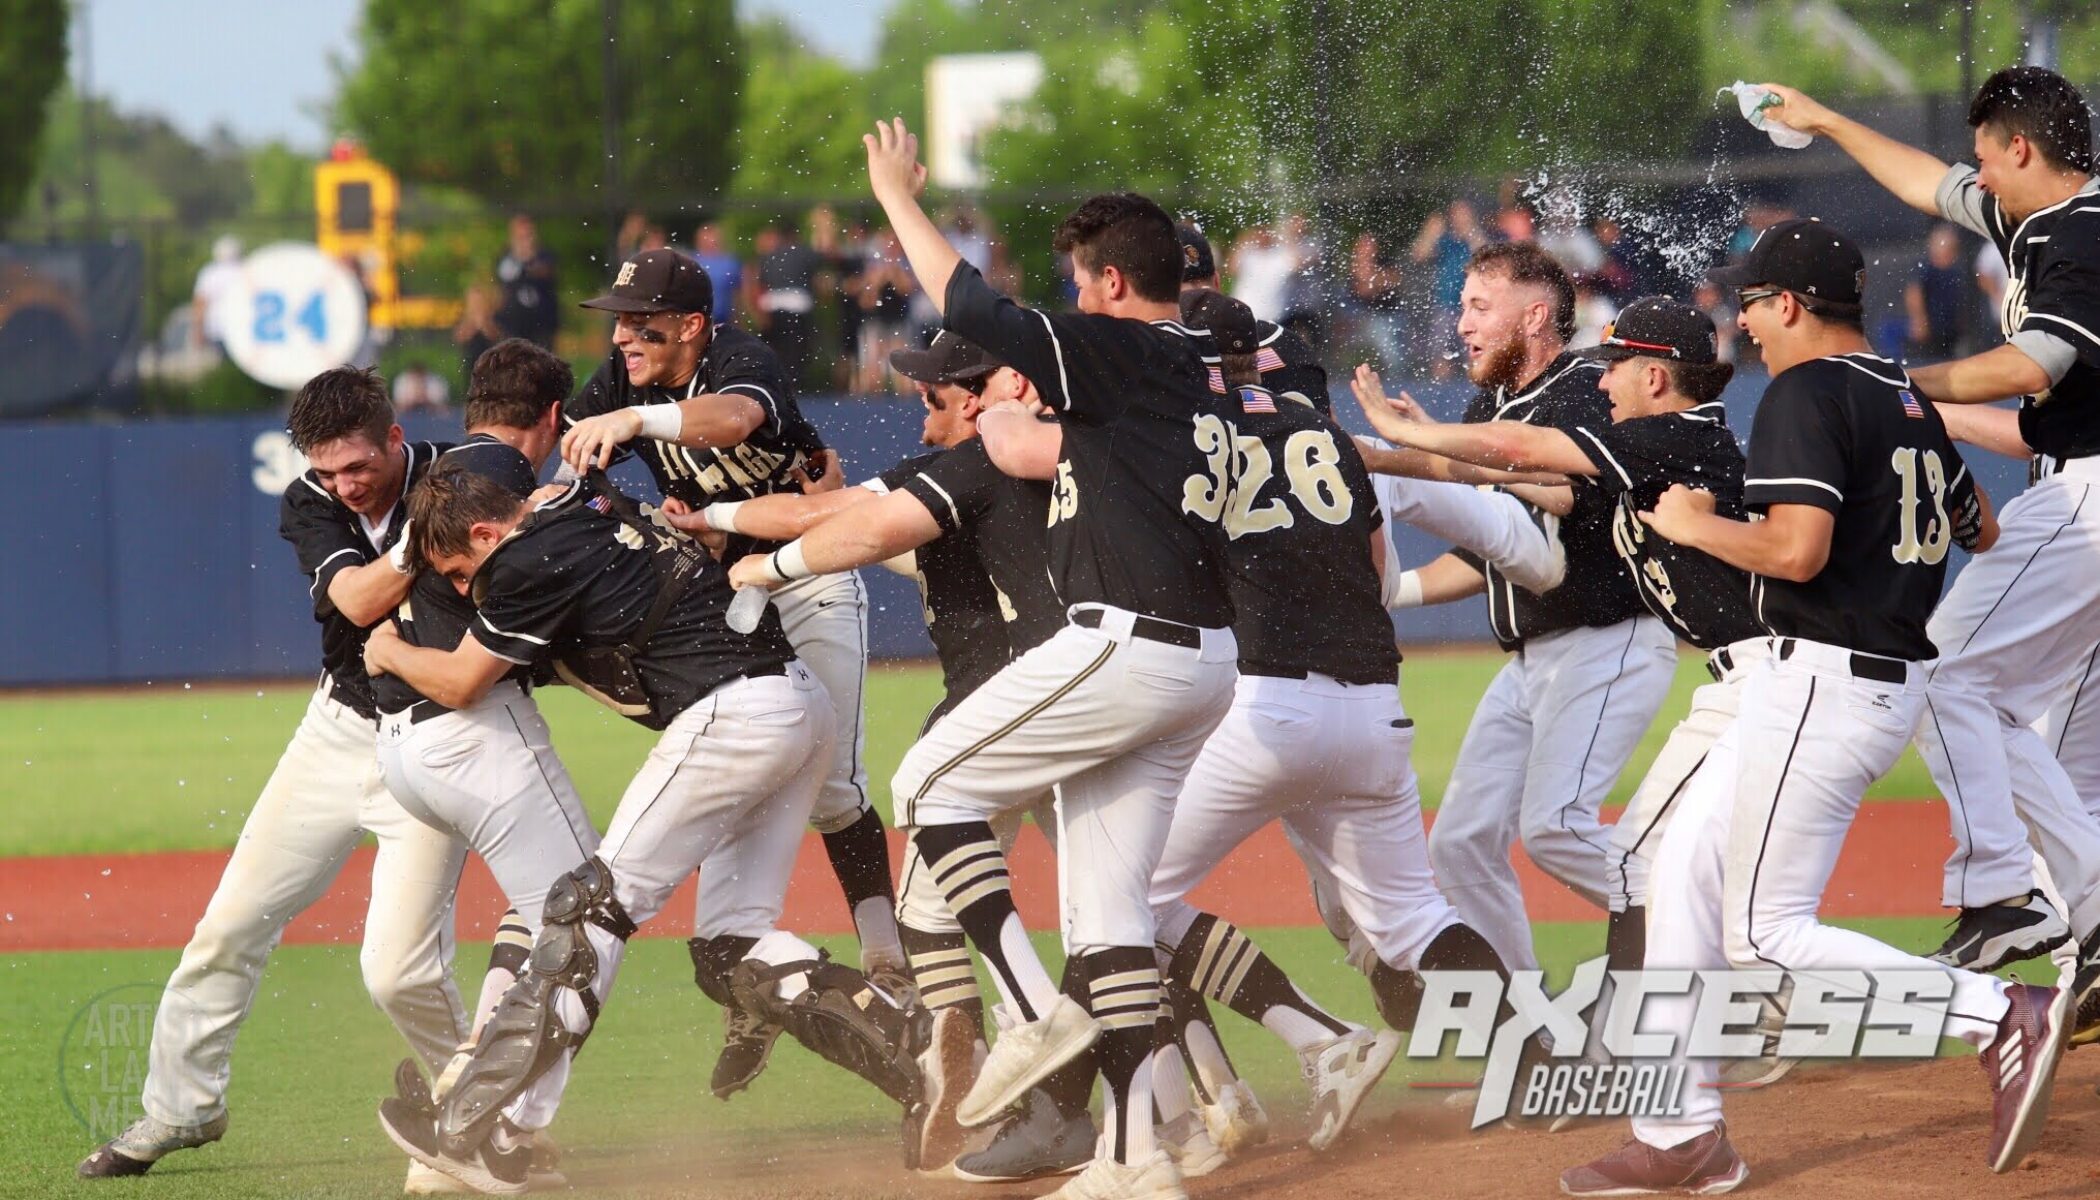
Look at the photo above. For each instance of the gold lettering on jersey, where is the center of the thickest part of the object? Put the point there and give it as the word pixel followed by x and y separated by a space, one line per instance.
pixel 1064 495
pixel 1939 531
pixel 1006 605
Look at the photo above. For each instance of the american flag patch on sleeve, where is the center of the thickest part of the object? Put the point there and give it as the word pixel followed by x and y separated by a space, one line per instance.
pixel 600 503
pixel 1911 407
pixel 1256 400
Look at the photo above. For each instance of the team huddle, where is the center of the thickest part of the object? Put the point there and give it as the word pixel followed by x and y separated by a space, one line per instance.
pixel 1196 642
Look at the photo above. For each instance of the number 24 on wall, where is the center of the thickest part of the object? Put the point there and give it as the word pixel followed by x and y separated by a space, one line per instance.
pixel 269 317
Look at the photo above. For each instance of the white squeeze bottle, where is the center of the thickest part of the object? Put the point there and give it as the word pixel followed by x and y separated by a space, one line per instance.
pixel 748 606
pixel 1754 100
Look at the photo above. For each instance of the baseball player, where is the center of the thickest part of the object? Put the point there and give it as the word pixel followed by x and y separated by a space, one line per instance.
pixel 1114 707
pixel 2018 624
pixel 1861 495
pixel 1315 738
pixel 488 773
pixel 634 617
pixel 711 411
pixel 1289 365
pixel 344 518
pixel 1590 664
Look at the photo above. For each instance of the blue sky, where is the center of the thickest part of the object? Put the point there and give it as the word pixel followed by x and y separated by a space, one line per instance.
pixel 261 67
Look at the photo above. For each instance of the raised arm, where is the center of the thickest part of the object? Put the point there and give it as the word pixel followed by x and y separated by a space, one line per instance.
pixel 1911 174
pixel 871 532
pixel 896 177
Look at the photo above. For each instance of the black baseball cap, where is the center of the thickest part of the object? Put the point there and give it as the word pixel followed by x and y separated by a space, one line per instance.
pixel 1198 263
pixel 949 359
pixel 1808 258
pixel 657 281
pixel 1657 327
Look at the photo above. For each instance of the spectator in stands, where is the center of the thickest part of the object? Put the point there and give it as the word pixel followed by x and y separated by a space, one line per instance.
pixel 478 328
pixel 852 250
pixel 1990 281
pixel 419 389
pixel 1563 235
pixel 1619 275
pixel 787 297
pixel 724 269
pixel 1378 296
pixel 629 241
pixel 1443 247
pixel 1932 300
pixel 1593 311
pixel 1715 304
pixel 1515 219
pixel 883 291
pixel 1262 263
pixel 531 306
pixel 214 281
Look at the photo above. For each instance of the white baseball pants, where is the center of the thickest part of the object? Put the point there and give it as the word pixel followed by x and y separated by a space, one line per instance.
pixel 920 902
pixel 826 621
pixel 1549 737
pixel 1112 721
pixel 319 803
pixel 1640 828
pixel 1495 525
pixel 727 789
pixel 489 775
pixel 1742 867
pixel 2019 624
pixel 1331 761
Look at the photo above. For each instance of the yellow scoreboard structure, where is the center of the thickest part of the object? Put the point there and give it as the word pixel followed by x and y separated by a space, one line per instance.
pixel 357 203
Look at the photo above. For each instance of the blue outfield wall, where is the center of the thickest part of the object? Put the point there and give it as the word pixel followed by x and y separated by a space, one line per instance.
pixel 149 550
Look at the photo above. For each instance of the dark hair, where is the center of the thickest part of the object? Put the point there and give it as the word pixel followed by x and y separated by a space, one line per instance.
pixel 1524 262
pixel 1699 382
pixel 2037 104
pixel 445 506
pixel 514 383
pixel 1130 233
pixel 1232 331
pixel 337 403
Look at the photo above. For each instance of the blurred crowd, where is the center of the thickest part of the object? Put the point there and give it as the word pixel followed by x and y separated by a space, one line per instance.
pixel 833 296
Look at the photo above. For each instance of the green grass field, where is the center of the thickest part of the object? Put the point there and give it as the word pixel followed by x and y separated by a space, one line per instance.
pixel 176 768
pixel 314 1059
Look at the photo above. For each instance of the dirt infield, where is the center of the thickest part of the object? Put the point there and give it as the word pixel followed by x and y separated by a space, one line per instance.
pixel 1890 867
pixel 1914 1132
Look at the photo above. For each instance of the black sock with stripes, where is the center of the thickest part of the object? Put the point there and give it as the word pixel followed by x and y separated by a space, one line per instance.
pixel 1195 1034
pixel 941 970
pixel 860 857
pixel 507 962
pixel 1071 1087
pixel 1123 990
pixel 1217 960
pixel 970 870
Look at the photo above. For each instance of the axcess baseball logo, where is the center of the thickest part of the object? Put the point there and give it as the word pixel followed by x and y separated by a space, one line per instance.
pixel 1661 1031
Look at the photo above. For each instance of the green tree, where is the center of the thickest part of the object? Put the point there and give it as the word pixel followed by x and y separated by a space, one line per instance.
pixel 32 62
pixel 502 98
pixel 802 116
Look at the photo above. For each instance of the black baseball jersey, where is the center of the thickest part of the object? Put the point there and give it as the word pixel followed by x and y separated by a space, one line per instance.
pixel 1135 511
pixel 1847 435
pixel 2052 263
pixel 1002 520
pixel 962 607
pixel 1705 601
pixel 1305 590
pixel 571 577
pixel 1596 590
pixel 738 362
pixel 435 615
pixel 328 538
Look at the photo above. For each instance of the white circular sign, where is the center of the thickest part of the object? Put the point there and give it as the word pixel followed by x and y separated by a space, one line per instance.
pixel 296 313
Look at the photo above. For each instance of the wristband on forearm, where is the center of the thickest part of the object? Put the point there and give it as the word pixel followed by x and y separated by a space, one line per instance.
pixel 786 564
pixel 1407 590
pixel 662 422
pixel 721 516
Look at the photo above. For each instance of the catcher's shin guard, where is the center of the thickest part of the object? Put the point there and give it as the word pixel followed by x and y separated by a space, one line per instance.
pixel 525 1036
pixel 842 1019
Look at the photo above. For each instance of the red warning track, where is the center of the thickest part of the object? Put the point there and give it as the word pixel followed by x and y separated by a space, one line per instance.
pixel 1890 867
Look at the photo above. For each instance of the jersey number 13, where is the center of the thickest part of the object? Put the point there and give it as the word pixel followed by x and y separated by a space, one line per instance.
pixel 1916 469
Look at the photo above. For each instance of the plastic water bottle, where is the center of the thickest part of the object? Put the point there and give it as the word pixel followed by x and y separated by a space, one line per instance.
pixel 1754 100
pixel 748 606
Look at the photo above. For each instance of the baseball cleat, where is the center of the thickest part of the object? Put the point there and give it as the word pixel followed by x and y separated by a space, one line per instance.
pixel 947 1066
pixel 2085 993
pixel 144 1142
pixel 1705 1166
pixel 1769 1067
pixel 429 1181
pixel 1154 1177
pixel 1235 1120
pixel 896 983
pixel 1037 1141
pixel 1025 1056
pixel 1341 1073
pixel 490 1171
pixel 747 1042
pixel 1188 1143
pixel 1995 935
pixel 2021 1066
